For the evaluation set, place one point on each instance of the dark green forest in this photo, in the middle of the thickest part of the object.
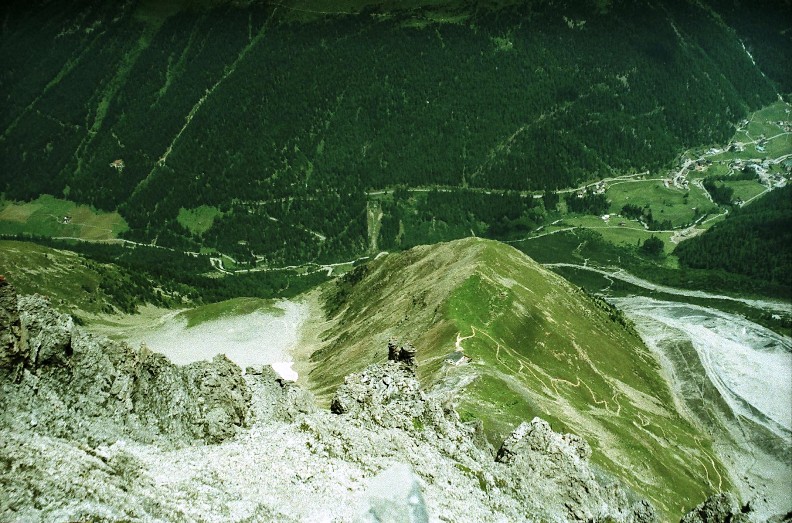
(755, 241)
(410, 220)
(284, 126)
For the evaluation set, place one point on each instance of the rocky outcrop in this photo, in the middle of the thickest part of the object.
(13, 344)
(544, 473)
(553, 469)
(278, 399)
(92, 429)
(388, 394)
(719, 508)
(49, 333)
(529, 438)
(68, 383)
(402, 354)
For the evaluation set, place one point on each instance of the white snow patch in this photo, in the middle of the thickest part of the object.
(284, 370)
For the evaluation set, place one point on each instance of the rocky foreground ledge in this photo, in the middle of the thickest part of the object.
(94, 430)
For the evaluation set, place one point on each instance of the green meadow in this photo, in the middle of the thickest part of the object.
(54, 217)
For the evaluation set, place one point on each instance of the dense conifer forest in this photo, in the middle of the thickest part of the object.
(282, 126)
(753, 241)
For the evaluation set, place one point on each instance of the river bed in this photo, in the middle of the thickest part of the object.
(750, 365)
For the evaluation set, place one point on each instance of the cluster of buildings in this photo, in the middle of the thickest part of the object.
(118, 165)
(762, 170)
(600, 188)
(597, 188)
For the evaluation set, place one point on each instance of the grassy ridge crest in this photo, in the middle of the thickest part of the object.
(538, 346)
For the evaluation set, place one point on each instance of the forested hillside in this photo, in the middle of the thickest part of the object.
(278, 126)
(753, 241)
(765, 29)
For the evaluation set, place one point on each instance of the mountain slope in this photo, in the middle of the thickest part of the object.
(279, 126)
(73, 283)
(537, 346)
(94, 430)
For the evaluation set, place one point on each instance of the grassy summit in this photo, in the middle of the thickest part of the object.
(537, 346)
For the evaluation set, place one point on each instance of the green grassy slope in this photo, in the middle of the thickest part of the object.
(49, 216)
(233, 307)
(73, 283)
(538, 347)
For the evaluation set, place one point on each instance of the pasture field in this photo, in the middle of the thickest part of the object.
(198, 220)
(746, 189)
(50, 216)
(631, 233)
(667, 203)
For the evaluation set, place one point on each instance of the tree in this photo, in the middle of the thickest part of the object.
(653, 246)
(550, 200)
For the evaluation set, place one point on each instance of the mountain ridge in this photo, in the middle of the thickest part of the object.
(377, 396)
(121, 445)
(512, 340)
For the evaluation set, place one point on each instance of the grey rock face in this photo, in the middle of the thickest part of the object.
(49, 333)
(389, 394)
(13, 345)
(553, 470)
(537, 436)
(284, 401)
(719, 508)
(69, 383)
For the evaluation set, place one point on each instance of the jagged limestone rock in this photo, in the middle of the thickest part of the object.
(49, 333)
(13, 346)
(76, 385)
(537, 436)
(285, 401)
(552, 467)
(718, 508)
(388, 393)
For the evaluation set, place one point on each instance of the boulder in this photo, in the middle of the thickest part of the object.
(394, 496)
